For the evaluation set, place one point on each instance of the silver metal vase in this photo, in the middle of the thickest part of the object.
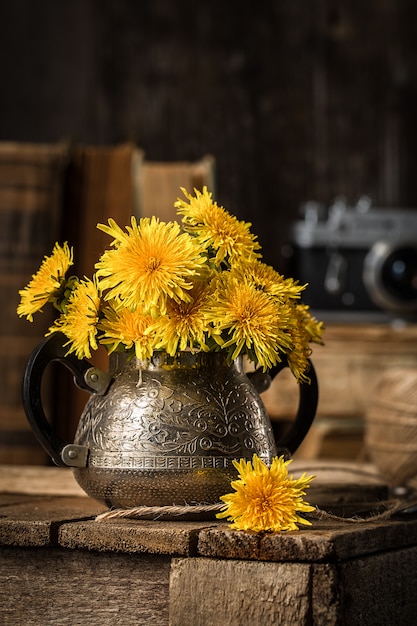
(165, 431)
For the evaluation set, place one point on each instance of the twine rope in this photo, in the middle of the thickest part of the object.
(138, 512)
(155, 512)
(391, 506)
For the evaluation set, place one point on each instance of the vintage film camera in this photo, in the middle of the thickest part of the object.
(357, 259)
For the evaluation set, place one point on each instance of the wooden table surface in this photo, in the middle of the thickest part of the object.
(58, 565)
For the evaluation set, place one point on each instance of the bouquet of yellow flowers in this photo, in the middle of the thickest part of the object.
(197, 284)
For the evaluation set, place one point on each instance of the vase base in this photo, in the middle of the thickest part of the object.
(128, 488)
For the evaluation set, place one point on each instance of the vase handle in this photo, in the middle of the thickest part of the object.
(307, 405)
(87, 377)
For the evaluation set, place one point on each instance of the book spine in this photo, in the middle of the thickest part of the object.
(31, 186)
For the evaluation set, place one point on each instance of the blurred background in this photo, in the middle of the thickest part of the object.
(296, 101)
(292, 102)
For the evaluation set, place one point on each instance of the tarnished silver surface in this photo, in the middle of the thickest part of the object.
(166, 432)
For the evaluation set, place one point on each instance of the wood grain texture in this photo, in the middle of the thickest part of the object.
(296, 104)
(58, 566)
(211, 592)
(34, 520)
(380, 590)
(69, 588)
(43, 481)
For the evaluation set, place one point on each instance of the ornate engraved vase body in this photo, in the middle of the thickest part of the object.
(162, 432)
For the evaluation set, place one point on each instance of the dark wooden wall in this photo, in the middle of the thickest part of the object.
(296, 99)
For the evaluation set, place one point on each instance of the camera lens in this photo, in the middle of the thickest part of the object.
(399, 273)
(390, 276)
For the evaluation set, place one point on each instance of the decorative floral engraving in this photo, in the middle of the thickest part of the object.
(176, 414)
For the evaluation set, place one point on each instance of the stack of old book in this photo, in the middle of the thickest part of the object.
(31, 186)
(59, 193)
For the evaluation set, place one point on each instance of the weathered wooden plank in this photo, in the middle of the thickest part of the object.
(238, 593)
(173, 538)
(325, 540)
(8, 499)
(35, 522)
(380, 590)
(57, 586)
(326, 605)
(377, 590)
(58, 565)
(48, 481)
(68, 587)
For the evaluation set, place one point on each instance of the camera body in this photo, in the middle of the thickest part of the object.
(358, 259)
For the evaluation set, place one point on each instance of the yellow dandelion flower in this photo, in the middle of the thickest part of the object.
(216, 228)
(266, 278)
(198, 209)
(250, 321)
(151, 262)
(313, 327)
(304, 330)
(184, 325)
(79, 322)
(126, 328)
(46, 283)
(298, 361)
(266, 499)
(196, 286)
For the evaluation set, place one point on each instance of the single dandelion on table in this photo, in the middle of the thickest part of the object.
(266, 499)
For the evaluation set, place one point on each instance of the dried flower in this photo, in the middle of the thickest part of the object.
(266, 499)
